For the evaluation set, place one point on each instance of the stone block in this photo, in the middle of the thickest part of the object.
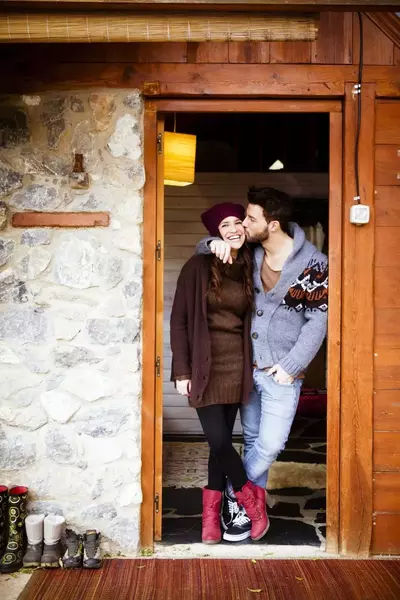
(100, 421)
(35, 237)
(103, 451)
(7, 355)
(6, 250)
(134, 101)
(89, 384)
(30, 418)
(129, 239)
(36, 197)
(59, 405)
(103, 107)
(66, 329)
(59, 448)
(3, 215)
(130, 495)
(77, 105)
(14, 130)
(36, 358)
(95, 512)
(52, 117)
(112, 331)
(71, 356)
(38, 261)
(125, 141)
(16, 453)
(26, 324)
(9, 180)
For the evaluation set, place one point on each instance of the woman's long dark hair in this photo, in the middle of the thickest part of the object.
(218, 268)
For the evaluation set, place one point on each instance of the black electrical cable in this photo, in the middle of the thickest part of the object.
(359, 106)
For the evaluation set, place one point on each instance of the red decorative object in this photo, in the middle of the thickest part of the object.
(312, 403)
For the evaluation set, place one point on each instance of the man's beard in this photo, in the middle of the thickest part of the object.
(258, 238)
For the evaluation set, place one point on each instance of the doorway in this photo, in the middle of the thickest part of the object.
(222, 173)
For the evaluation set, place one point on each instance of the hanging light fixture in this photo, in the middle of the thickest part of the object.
(179, 157)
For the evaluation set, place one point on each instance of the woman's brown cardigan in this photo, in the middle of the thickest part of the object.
(190, 340)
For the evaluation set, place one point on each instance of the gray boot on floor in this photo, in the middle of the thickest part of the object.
(33, 555)
(92, 555)
(72, 558)
(51, 555)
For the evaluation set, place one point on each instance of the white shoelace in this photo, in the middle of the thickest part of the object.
(241, 518)
(233, 507)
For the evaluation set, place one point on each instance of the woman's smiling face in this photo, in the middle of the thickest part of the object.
(232, 231)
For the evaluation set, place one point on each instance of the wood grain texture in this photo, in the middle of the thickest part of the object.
(387, 122)
(387, 411)
(149, 327)
(158, 420)
(249, 52)
(208, 52)
(197, 80)
(387, 286)
(387, 248)
(290, 52)
(387, 328)
(387, 205)
(357, 337)
(334, 331)
(386, 492)
(387, 451)
(335, 39)
(386, 538)
(387, 165)
(378, 48)
(387, 368)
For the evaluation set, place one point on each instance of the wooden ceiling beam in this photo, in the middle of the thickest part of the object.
(227, 5)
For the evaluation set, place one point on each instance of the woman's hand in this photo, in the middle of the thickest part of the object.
(222, 250)
(183, 387)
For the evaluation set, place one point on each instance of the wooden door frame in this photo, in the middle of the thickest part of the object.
(151, 407)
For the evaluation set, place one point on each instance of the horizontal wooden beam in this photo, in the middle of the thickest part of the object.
(249, 106)
(60, 219)
(225, 4)
(198, 80)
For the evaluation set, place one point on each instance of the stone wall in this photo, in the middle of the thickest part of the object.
(70, 310)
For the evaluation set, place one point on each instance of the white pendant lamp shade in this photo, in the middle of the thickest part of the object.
(179, 158)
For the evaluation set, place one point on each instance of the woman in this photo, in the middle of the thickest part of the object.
(212, 363)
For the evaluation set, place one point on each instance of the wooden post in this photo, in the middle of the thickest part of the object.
(357, 333)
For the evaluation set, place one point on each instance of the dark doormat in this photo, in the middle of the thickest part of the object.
(217, 579)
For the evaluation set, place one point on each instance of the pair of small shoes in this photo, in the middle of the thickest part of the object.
(82, 550)
(43, 555)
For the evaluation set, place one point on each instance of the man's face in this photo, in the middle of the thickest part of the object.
(255, 225)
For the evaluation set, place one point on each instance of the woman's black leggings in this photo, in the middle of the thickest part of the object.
(217, 421)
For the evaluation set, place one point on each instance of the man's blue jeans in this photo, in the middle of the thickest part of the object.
(266, 420)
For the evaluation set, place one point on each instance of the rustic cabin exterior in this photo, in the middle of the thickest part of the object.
(81, 286)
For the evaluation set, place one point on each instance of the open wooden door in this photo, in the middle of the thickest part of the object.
(152, 407)
(158, 440)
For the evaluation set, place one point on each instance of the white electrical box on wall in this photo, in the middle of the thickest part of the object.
(359, 214)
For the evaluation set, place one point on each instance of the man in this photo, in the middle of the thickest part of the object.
(288, 328)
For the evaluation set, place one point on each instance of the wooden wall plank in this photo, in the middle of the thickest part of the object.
(387, 369)
(387, 165)
(387, 248)
(386, 538)
(387, 411)
(387, 122)
(335, 39)
(387, 451)
(387, 328)
(396, 58)
(387, 287)
(290, 52)
(209, 52)
(357, 336)
(378, 48)
(387, 203)
(249, 52)
(386, 492)
(154, 52)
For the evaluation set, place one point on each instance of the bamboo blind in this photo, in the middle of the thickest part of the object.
(156, 27)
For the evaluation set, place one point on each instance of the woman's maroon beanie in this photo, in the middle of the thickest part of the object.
(213, 216)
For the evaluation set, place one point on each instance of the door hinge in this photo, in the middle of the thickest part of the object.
(158, 366)
(158, 250)
(157, 502)
(159, 143)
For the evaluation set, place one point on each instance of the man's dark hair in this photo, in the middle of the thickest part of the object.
(276, 205)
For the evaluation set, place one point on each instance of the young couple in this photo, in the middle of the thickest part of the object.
(249, 315)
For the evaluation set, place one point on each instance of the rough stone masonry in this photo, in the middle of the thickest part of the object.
(70, 310)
